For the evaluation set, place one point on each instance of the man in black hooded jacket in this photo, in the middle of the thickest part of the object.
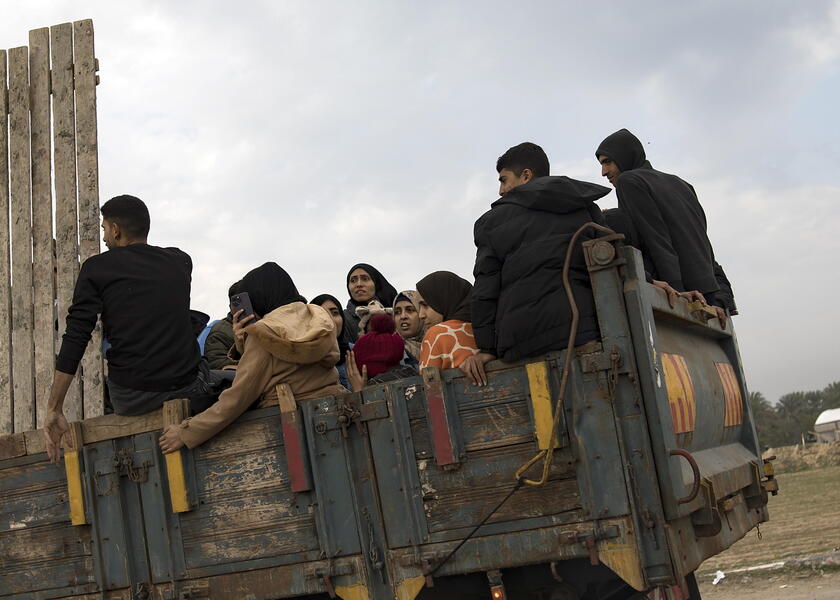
(664, 220)
(519, 305)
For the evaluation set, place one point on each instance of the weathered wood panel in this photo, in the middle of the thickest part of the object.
(39, 550)
(247, 510)
(66, 217)
(42, 218)
(87, 162)
(23, 354)
(6, 406)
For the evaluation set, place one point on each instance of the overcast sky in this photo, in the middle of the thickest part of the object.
(320, 134)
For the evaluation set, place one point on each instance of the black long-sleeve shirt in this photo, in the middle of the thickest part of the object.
(143, 295)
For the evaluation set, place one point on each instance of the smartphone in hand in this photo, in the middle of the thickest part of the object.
(242, 302)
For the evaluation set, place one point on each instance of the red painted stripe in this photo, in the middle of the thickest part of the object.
(682, 369)
(293, 444)
(441, 440)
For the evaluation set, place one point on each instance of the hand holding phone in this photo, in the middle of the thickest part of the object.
(243, 316)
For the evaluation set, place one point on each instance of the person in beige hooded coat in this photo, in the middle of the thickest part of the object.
(293, 343)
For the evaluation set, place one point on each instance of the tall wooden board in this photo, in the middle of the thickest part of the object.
(66, 219)
(22, 346)
(42, 218)
(85, 68)
(6, 407)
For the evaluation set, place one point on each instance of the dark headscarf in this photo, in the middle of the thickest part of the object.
(382, 290)
(269, 287)
(625, 150)
(343, 346)
(448, 294)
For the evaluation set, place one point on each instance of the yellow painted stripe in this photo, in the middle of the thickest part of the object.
(177, 482)
(74, 488)
(680, 392)
(541, 404)
(408, 589)
(357, 591)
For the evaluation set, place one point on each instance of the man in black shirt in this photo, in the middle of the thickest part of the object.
(665, 221)
(143, 295)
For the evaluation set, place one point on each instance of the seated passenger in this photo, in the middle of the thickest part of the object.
(291, 342)
(220, 339)
(445, 301)
(668, 222)
(376, 356)
(520, 307)
(409, 325)
(364, 283)
(333, 307)
(617, 221)
(142, 293)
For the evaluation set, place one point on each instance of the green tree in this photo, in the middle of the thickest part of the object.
(831, 396)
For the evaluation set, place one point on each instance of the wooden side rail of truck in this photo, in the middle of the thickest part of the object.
(655, 468)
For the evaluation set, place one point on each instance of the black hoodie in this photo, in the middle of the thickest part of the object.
(519, 305)
(668, 222)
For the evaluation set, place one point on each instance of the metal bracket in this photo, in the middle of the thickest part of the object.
(590, 539)
(124, 464)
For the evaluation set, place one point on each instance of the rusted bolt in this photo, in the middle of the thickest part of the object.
(602, 252)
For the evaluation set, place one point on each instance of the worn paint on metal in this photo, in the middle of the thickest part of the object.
(357, 591)
(177, 482)
(74, 488)
(541, 403)
(732, 400)
(680, 392)
(409, 588)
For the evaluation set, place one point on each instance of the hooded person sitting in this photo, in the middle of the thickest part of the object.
(291, 342)
(520, 308)
(377, 356)
(666, 221)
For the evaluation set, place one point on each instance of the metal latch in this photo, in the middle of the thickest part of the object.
(124, 464)
(590, 538)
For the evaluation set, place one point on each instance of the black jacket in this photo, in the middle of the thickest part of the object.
(519, 305)
(143, 295)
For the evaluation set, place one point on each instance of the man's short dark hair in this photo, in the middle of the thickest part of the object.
(524, 156)
(129, 213)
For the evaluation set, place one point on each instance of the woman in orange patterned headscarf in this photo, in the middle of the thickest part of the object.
(445, 300)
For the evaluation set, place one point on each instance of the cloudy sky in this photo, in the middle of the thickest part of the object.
(320, 134)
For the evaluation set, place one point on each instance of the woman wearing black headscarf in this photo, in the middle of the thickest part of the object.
(331, 304)
(445, 300)
(291, 342)
(364, 284)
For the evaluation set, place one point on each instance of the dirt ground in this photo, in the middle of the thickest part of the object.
(804, 522)
(776, 586)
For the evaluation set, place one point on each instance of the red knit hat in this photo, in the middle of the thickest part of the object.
(381, 348)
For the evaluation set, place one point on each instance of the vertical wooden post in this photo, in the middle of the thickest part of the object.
(66, 220)
(73, 469)
(6, 407)
(42, 219)
(175, 411)
(22, 346)
(87, 161)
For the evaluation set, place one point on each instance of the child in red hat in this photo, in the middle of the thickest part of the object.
(377, 354)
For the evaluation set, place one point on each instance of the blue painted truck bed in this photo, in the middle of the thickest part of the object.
(397, 476)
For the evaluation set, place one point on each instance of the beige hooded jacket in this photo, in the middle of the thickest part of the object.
(294, 344)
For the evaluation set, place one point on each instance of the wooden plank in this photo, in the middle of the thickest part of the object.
(6, 412)
(293, 440)
(73, 443)
(175, 411)
(12, 445)
(66, 220)
(87, 161)
(42, 220)
(22, 347)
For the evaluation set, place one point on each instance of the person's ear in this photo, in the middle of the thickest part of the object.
(116, 232)
(527, 175)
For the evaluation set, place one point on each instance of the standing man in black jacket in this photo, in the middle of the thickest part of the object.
(143, 295)
(519, 306)
(665, 221)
